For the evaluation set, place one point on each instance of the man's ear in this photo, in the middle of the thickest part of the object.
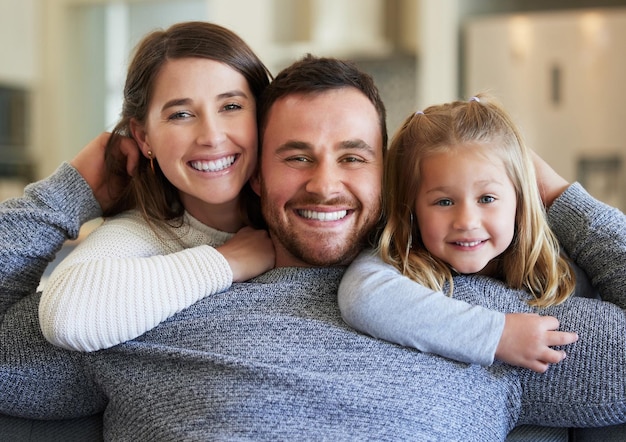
(139, 134)
(255, 182)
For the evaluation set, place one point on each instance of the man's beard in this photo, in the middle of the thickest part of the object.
(325, 252)
(319, 249)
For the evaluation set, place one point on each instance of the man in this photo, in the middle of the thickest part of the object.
(269, 359)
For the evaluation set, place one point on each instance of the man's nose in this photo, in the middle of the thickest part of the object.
(325, 179)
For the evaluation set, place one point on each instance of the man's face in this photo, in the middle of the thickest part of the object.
(320, 176)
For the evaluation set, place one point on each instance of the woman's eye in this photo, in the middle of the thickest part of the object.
(232, 106)
(180, 115)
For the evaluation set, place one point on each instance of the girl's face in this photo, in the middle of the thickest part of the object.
(201, 128)
(465, 207)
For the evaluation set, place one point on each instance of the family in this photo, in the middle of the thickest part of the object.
(268, 270)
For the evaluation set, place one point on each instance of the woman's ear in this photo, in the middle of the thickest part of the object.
(255, 182)
(141, 137)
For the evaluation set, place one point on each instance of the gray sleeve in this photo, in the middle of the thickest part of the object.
(594, 235)
(38, 380)
(376, 299)
(34, 227)
(588, 388)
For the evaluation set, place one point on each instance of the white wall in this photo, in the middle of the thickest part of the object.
(19, 34)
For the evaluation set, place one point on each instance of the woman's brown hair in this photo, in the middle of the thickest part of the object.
(149, 190)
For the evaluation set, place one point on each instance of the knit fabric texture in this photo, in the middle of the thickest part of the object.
(271, 359)
(126, 277)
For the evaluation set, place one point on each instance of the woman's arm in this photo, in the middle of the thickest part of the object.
(123, 280)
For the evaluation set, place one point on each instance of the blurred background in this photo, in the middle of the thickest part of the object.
(557, 66)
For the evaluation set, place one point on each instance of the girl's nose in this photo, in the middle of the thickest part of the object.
(467, 218)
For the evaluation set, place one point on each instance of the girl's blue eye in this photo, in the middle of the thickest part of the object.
(444, 202)
(487, 199)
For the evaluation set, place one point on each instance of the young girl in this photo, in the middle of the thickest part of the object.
(462, 199)
(178, 231)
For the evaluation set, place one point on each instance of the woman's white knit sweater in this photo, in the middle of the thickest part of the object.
(126, 277)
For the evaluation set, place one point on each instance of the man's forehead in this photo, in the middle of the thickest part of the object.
(326, 95)
(343, 109)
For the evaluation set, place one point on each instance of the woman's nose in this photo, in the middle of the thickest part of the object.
(210, 132)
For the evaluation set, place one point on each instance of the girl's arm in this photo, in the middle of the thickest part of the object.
(124, 279)
(376, 299)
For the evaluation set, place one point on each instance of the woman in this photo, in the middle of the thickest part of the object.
(190, 105)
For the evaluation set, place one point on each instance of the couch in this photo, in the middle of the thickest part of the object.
(89, 429)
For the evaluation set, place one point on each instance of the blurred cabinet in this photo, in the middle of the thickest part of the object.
(561, 75)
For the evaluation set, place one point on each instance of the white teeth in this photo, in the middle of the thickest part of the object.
(215, 165)
(323, 216)
(468, 244)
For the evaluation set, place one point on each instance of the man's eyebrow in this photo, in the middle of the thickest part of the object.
(294, 145)
(355, 144)
(358, 144)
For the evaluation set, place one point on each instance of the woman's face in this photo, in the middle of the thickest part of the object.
(201, 128)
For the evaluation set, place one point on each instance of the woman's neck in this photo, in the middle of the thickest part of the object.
(225, 217)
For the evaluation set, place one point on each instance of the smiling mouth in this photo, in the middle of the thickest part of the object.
(213, 165)
(468, 244)
(323, 216)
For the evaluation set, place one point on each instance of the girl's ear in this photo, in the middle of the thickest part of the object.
(255, 182)
(141, 137)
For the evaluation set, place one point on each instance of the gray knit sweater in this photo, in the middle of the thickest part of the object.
(271, 359)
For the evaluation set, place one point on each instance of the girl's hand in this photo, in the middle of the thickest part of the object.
(249, 253)
(527, 340)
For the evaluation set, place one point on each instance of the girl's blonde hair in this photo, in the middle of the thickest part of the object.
(532, 261)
